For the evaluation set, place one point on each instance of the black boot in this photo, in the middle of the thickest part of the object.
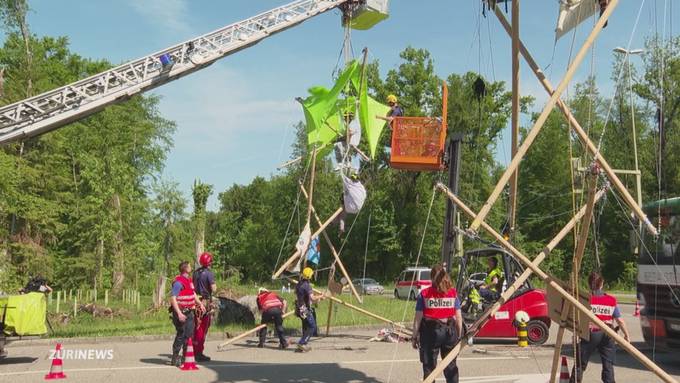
(174, 361)
(202, 358)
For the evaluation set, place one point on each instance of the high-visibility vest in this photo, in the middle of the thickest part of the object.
(498, 273)
(439, 305)
(269, 300)
(603, 307)
(187, 297)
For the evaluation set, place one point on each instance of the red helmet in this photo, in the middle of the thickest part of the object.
(205, 259)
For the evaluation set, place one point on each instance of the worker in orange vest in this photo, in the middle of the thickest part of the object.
(183, 304)
(272, 307)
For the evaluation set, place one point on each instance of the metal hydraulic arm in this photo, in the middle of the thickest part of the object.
(58, 107)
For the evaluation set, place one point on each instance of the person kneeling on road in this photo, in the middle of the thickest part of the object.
(438, 323)
(183, 303)
(272, 307)
(303, 308)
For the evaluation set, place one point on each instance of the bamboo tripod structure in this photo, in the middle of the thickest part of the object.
(571, 302)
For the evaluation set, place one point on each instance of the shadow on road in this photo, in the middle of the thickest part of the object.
(666, 360)
(286, 373)
(18, 360)
(163, 359)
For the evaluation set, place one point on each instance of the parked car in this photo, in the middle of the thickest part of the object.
(411, 281)
(368, 286)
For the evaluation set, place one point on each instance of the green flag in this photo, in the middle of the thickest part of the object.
(372, 126)
(321, 109)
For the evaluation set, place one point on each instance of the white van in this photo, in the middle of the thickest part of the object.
(411, 281)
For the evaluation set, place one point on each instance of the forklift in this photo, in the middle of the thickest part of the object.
(472, 272)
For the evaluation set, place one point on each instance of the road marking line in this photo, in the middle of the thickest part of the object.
(239, 365)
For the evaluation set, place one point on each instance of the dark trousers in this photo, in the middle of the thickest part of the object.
(273, 316)
(185, 330)
(434, 338)
(308, 328)
(605, 346)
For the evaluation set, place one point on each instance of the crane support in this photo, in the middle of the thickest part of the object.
(58, 107)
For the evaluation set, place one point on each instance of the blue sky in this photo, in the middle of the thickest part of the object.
(235, 118)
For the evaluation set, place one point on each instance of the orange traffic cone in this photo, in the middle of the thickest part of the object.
(56, 370)
(636, 313)
(564, 371)
(189, 361)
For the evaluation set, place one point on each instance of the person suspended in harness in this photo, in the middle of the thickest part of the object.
(438, 323)
(271, 307)
(490, 290)
(606, 308)
(183, 304)
(204, 281)
(304, 298)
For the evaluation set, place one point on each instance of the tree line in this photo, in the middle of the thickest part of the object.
(86, 205)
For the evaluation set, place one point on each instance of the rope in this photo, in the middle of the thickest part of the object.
(408, 297)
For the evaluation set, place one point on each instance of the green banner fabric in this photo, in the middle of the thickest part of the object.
(25, 314)
(321, 109)
(372, 126)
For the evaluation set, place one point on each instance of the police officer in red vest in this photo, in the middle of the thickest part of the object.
(272, 307)
(604, 306)
(438, 323)
(183, 303)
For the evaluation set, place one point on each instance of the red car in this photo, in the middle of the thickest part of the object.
(473, 268)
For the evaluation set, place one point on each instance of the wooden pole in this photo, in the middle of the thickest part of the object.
(75, 306)
(296, 255)
(334, 252)
(222, 346)
(58, 300)
(309, 201)
(533, 133)
(402, 328)
(578, 129)
(507, 294)
(578, 255)
(548, 279)
(138, 299)
(106, 297)
(515, 113)
(330, 315)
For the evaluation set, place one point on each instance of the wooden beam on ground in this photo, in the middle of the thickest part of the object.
(543, 117)
(334, 252)
(401, 327)
(578, 129)
(222, 346)
(515, 113)
(548, 279)
(296, 255)
(578, 255)
(507, 294)
(330, 316)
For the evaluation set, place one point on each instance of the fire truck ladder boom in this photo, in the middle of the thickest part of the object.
(56, 108)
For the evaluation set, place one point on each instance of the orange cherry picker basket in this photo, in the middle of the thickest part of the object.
(418, 142)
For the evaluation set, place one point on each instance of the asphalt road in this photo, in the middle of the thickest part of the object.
(347, 356)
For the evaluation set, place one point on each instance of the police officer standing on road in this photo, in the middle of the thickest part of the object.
(605, 307)
(438, 323)
(204, 281)
(183, 302)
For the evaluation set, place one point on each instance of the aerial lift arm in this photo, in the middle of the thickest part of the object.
(58, 107)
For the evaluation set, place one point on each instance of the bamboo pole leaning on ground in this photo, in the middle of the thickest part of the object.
(548, 279)
(222, 346)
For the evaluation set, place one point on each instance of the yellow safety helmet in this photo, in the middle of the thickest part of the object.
(307, 273)
(392, 98)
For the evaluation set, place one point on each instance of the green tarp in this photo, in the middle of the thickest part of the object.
(25, 314)
(323, 111)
